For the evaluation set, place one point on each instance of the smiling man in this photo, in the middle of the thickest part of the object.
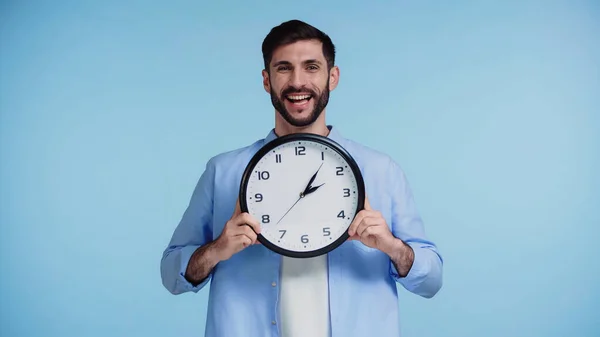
(351, 291)
(299, 81)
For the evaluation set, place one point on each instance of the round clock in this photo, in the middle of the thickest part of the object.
(304, 190)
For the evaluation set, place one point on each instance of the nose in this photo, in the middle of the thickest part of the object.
(298, 79)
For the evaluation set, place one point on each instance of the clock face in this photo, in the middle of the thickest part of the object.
(304, 190)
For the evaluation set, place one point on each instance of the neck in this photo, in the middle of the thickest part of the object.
(319, 127)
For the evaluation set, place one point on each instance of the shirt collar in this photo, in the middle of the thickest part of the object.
(333, 135)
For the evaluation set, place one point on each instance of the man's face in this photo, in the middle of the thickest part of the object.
(299, 82)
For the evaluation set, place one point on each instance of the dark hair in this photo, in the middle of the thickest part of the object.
(293, 31)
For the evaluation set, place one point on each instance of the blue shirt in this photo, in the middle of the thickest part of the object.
(243, 298)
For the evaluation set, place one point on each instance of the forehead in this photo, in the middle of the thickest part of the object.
(299, 51)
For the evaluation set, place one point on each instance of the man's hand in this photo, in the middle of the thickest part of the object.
(370, 228)
(239, 232)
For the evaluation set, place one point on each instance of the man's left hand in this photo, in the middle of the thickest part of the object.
(371, 229)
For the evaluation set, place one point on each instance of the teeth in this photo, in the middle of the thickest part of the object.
(298, 97)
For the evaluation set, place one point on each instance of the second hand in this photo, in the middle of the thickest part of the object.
(309, 189)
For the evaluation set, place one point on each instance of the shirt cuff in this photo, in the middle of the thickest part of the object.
(418, 271)
(185, 254)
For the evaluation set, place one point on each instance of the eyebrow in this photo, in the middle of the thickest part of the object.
(283, 62)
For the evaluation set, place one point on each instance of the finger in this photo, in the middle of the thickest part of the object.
(367, 204)
(369, 230)
(244, 230)
(354, 237)
(366, 223)
(372, 231)
(244, 241)
(237, 209)
(357, 219)
(247, 219)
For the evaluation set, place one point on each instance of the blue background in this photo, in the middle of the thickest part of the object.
(110, 110)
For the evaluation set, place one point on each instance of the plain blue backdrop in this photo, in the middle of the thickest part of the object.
(110, 110)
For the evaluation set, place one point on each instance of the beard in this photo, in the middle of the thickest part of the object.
(321, 101)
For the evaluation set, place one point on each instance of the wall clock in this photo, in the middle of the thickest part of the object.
(304, 190)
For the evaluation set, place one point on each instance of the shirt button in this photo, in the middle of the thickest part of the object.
(273, 284)
(273, 322)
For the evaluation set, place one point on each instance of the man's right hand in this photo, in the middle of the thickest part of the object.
(239, 232)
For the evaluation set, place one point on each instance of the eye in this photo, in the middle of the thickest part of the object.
(313, 67)
(283, 68)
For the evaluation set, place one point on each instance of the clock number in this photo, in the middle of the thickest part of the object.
(278, 158)
(341, 214)
(339, 171)
(304, 238)
(282, 233)
(346, 192)
(322, 155)
(264, 175)
(326, 231)
(258, 197)
(266, 219)
(300, 150)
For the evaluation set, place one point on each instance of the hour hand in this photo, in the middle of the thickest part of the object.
(308, 187)
(312, 189)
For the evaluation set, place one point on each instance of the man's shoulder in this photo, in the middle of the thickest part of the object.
(367, 154)
(235, 156)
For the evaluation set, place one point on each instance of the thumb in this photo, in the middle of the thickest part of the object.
(237, 207)
(367, 204)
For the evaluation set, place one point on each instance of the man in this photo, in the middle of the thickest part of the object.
(255, 292)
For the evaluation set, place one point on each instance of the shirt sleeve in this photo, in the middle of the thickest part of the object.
(193, 231)
(425, 275)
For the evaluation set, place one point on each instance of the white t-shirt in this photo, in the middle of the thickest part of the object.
(304, 297)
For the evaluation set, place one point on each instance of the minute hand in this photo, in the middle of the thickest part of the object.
(308, 187)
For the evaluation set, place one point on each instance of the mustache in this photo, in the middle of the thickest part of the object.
(293, 90)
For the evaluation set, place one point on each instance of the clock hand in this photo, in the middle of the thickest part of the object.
(311, 180)
(301, 196)
(312, 189)
(309, 189)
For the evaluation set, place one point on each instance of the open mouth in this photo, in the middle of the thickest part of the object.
(298, 99)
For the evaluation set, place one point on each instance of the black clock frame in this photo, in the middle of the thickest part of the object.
(295, 138)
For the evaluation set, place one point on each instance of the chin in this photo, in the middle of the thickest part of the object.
(300, 120)
(302, 123)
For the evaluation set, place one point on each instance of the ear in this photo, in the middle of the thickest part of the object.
(334, 77)
(266, 82)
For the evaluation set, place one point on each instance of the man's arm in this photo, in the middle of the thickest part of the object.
(414, 261)
(191, 238)
(201, 264)
(238, 233)
(402, 257)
